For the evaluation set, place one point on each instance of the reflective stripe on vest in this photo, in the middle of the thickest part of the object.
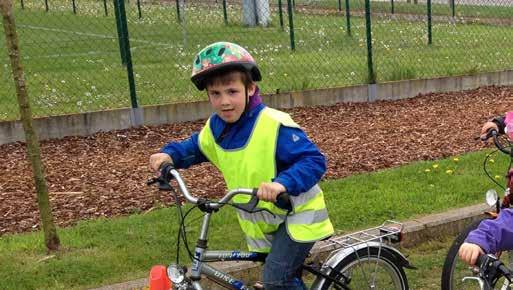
(254, 163)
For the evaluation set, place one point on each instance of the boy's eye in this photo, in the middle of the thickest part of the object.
(232, 92)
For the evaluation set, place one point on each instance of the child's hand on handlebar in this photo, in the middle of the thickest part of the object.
(487, 127)
(157, 159)
(268, 191)
(469, 252)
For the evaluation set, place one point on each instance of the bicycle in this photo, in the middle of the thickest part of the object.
(454, 270)
(488, 271)
(361, 260)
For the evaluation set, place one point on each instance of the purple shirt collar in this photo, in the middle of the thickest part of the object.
(255, 99)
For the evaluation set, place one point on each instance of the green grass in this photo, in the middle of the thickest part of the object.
(106, 251)
(72, 62)
(429, 258)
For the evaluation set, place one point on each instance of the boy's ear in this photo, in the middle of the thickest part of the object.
(251, 89)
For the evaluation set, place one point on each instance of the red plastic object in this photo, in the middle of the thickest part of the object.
(159, 279)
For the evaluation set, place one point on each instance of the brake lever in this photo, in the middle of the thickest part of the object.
(162, 183)
(251, 206)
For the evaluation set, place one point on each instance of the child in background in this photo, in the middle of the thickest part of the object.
(491, 235)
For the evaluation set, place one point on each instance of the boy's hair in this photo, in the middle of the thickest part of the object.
(225, 76)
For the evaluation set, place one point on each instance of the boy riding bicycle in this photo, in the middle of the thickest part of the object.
(255, 146)
(492, 235)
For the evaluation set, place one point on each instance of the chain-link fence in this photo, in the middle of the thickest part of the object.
(76, 58)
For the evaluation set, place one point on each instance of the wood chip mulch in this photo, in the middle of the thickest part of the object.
(104, 175)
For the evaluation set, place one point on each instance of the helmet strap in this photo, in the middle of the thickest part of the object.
(247, 99)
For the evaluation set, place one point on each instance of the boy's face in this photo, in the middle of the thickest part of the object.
(229, 99)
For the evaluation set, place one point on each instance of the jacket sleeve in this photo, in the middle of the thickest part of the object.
(185, 153)
(300, 164)
(494, 235)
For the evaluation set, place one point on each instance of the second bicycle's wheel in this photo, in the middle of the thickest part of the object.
(369, 268)
(454, 269)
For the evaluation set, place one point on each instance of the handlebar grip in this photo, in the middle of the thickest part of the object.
(491, 133)
(165, 170)
(482, 260)
(283, 199)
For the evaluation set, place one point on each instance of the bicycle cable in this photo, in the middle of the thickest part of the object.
(486, 171)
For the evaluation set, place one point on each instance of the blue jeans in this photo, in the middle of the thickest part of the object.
(283, 262)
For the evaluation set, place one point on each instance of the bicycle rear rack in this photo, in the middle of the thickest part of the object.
(389, 232)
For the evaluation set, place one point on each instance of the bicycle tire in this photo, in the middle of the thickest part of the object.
(452, 261)
(373, 257)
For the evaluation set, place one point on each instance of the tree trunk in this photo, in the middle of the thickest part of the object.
(256, 12)
(33, 152)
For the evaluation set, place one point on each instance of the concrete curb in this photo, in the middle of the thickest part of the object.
(415, 231)
(108, 120)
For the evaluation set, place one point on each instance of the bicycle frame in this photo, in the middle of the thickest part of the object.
(340, 248)
(202, 255)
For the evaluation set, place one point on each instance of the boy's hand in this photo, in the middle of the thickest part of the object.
(157, 159)
(487, 127)
(469, 252)
(268, 191)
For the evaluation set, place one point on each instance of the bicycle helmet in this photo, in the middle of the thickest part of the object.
(222, 55)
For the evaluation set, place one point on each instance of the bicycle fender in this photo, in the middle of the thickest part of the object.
(342, 254)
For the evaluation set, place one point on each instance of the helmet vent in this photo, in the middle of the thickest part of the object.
(221, 51)
(209, 51)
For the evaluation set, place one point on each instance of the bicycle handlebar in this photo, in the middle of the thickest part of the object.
(168, 172)
(495, 135)
(490, 268)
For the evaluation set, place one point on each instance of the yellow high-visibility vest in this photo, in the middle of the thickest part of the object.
(254, 163)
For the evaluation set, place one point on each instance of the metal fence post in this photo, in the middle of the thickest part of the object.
(74, 6)
(280, 9)
(392, 6)
(22, 4)
(291, 25)
(225, 13)
(136, 113)
(371, 78)
(120, 33)
(453, 8)
(339, 5)
(430, 36)
(105, 7)
(178, 11)
(139, 8)
(46, 6)
(348, 18)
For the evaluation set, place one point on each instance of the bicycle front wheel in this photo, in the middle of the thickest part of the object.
(369, 268)
(454, 269)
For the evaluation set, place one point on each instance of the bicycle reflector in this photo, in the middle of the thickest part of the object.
(159, 279)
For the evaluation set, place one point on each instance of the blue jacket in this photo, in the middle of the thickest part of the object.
(494, 235)
(300, 164)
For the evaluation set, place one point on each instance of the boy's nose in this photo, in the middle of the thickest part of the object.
(225, 100)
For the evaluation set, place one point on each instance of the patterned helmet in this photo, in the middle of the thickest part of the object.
(222, 55)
